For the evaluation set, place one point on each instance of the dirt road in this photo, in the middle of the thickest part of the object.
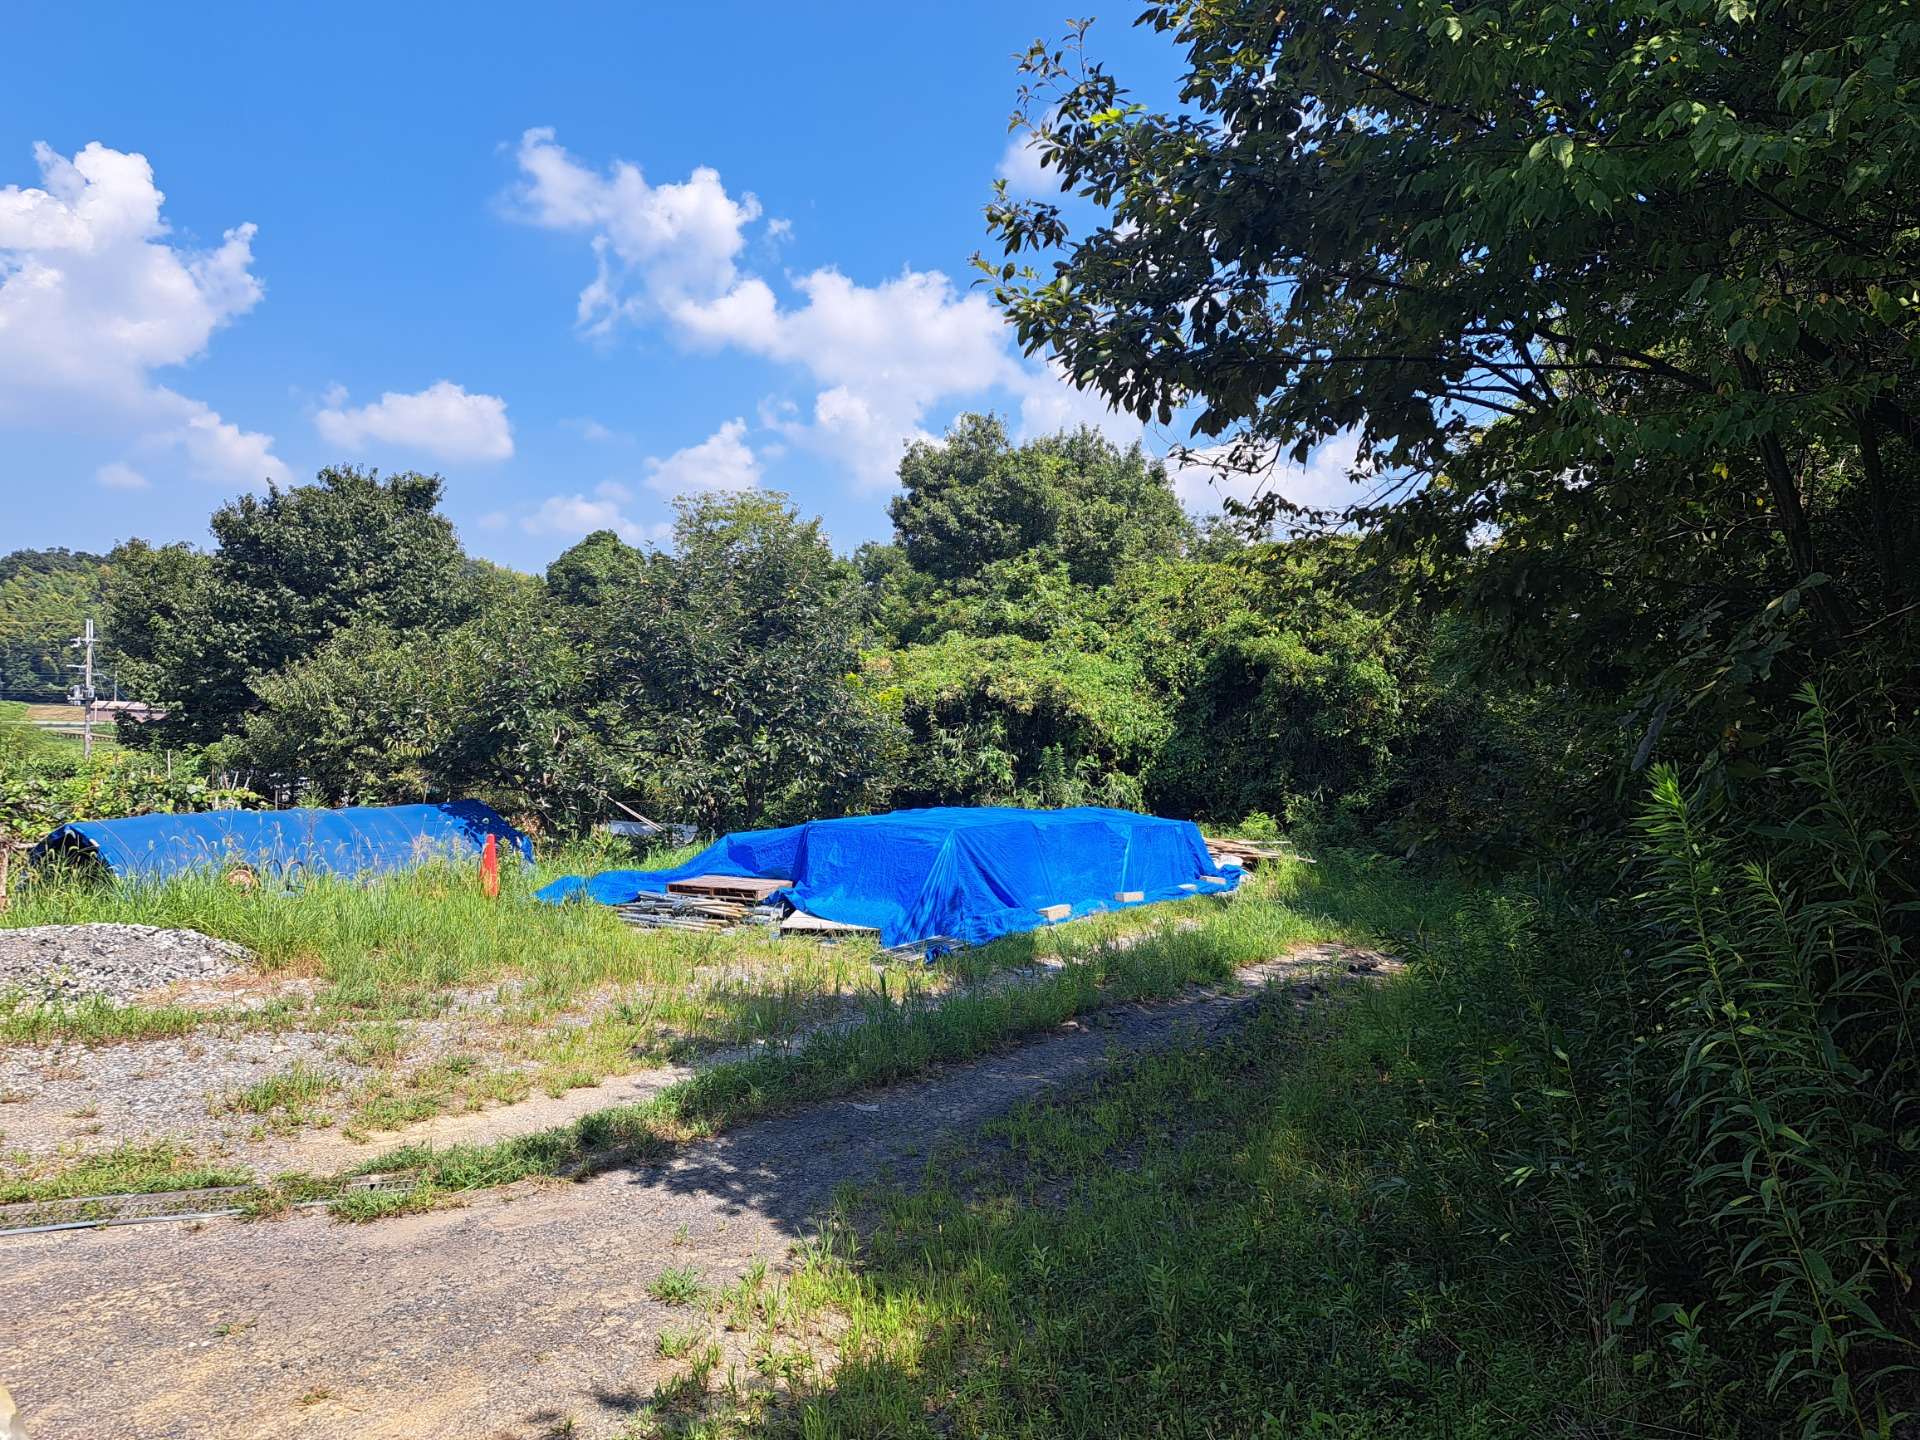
(511, 1317)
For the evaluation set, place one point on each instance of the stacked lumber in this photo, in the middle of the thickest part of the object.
(1248, 854)
(706, 913)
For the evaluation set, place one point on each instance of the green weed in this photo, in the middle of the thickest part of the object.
(677, 1285)
(142, 1169)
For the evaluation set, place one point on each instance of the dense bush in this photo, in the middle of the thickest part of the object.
(1681, 1116)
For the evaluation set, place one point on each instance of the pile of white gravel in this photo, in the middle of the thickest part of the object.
(69, 962)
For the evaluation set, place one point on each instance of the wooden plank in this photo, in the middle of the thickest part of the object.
(751, 890)
(1129, 897)
(1052, 913)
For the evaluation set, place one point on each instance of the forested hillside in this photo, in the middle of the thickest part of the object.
(45, 599)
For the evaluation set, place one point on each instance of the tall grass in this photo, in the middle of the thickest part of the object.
(1200, 941)
(1681, 1128)
(402, 946)
(1787, 1054)
(1634, 1164)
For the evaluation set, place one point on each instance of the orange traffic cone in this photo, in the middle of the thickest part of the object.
(490, 869)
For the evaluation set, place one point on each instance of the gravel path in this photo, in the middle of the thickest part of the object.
(65, 1100)
(74, 1099)
(505, 1319)
(68, 962)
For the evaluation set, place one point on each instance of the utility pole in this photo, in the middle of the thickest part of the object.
(83, 696)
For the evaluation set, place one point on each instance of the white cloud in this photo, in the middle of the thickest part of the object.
(882, 357)
(442, 420)
(1050, 403)
(722, 461)
(886, 363)
(94, 299)
(885, 356)
(569, 517)
(117, 476)
(1206, 478)
(1020, 167)
(677, 241)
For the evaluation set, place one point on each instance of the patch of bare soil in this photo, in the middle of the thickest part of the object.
(524, 1312)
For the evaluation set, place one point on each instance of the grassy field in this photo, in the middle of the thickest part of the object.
(572, 996)
(1252, 1237)
(1211, 1241)
(66, 722)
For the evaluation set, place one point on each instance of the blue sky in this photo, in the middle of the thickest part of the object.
(573, 259)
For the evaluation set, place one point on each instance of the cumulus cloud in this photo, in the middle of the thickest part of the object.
(442, 420)
(94, 297)
(881, 357)
(1205, 479)
(655, 245)
(569, 517)
(1050, 403)
(884, 356)
(886, 362)
(722, 461)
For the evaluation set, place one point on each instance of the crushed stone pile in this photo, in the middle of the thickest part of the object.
(70, 962)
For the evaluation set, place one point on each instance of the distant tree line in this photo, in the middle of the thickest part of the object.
(1047, 626)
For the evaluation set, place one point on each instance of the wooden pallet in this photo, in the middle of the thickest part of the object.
(745, 889)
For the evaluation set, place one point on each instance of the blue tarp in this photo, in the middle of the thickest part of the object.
(969, 873)
(342, 842)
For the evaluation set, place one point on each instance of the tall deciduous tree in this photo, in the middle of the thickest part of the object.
(1628, 289)
(734, 661)
(287, 572)
(46, 596)
(975, 498)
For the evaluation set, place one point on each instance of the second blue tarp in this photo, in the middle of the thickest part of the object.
(287, 843)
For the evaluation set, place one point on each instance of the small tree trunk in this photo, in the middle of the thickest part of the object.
(1877, 494)
(1794, 525)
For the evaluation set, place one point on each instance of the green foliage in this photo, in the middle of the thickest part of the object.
(46, 597)
(732, 662)
(286, 573)
(593, 572)
(1073, 498)
(1789, 1059)
(1682, 1119)
(1001, 719)
(493, 708)
(44, 782)
(1385, 218)
(1188, 686)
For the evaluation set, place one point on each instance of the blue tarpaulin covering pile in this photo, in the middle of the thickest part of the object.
(970, 874)
(287, 843)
